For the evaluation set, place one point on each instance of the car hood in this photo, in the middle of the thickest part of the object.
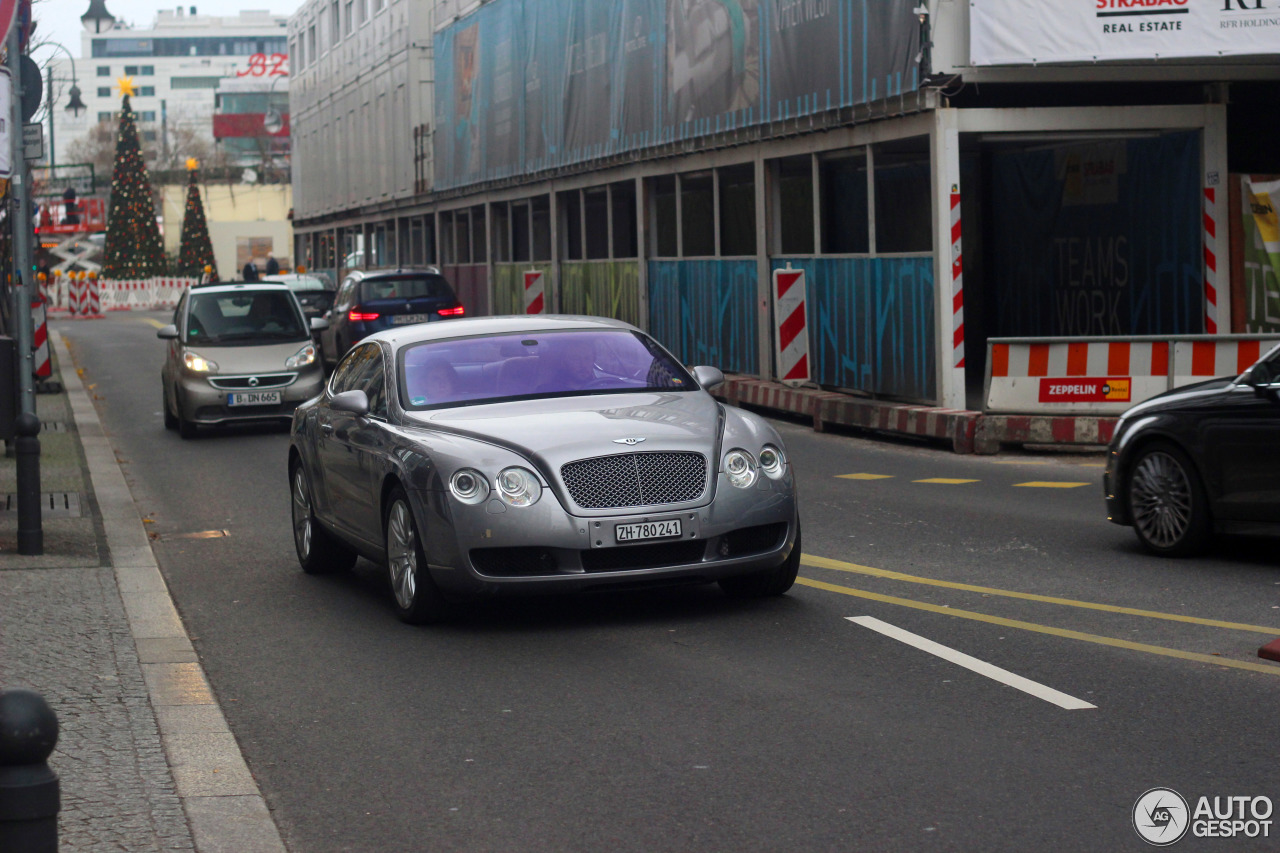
(563, 429)
(262, 358)
(1187, 395)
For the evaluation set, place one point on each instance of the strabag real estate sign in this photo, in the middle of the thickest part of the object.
(1032, 32)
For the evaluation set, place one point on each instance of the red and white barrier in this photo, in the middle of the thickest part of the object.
(1210, 264)
(534, 292)
(146, 294)
(957, 284)
(42, 367)
(1107, 376)
(791, 328)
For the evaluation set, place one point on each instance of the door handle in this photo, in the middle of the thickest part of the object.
(326, 428)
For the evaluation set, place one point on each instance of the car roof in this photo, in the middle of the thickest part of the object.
(466, 327)
(240, 286)
(365, 275)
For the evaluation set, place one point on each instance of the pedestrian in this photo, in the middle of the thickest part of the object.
(273, 266)
(250, 272)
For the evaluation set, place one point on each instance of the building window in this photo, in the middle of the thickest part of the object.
(147, 71)
(662, 218)
(570, 204)
(131, 70)
(597, 223)
(697, 215)
(738, 211)
(795, 205)
(335, 31)
(624, 220)
(903, 204)
(105, 117)
(194, 82)
(349, 18)
(104, 70)
(541, 212)
(149, 136)
(146, 91)
(147, 115)
(104, 91)
(842, 186)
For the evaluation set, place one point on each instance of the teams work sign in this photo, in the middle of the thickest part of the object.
(1027, 32)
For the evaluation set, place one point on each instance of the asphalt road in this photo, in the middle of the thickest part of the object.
(683, 720)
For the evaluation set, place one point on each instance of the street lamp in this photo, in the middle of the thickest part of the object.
(75, 106)
(98, 20)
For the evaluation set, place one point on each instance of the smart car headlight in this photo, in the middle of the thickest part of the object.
(301, 358)
(740, 468)
(518, 487)
(771, 462)
(469, 486)
(197, 363)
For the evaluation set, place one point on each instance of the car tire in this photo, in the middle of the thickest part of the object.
(1167, 502)
(765, 584)
(186, 429)
(417, 599)
(318, 551)
(170, 422)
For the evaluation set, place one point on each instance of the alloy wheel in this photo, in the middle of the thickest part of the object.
(301, 513)
(402, 554)
(1161, 499)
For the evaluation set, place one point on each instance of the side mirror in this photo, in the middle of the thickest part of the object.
(167, 333)
(353, 402)
(708, 377)
(319, 324)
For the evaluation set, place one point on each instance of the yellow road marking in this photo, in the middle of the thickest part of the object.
(865, 476)
(1043, 629)
(946, 481)
(1050, 484)
(1092, 464)
(853, 568)
(152, 322)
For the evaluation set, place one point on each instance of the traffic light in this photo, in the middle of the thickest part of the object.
(72, 207)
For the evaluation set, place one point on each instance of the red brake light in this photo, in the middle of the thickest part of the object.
(455, 311)
(356, 316)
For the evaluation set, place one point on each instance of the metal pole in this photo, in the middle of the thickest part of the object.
(53, 149)
(30, 535)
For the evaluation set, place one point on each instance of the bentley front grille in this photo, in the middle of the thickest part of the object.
(635, 479)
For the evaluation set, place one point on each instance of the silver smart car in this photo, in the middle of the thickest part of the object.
(504, 455)
(238, 352)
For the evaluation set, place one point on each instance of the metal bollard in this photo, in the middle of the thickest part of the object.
(27, 451)
(29, 795)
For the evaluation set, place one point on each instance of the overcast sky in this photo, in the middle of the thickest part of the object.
(59, 20)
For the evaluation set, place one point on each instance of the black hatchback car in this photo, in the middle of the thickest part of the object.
(1199, 459)
(372, 301)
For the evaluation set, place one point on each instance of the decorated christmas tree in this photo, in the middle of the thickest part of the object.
(196, 251)
(133, 246)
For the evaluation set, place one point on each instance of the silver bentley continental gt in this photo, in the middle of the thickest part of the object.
(540, 454)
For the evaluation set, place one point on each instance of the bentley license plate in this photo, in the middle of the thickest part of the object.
(647, 530)
(409, 319)
(253, 398)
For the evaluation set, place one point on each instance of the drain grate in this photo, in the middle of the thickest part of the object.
(53, 426)
(52, 505)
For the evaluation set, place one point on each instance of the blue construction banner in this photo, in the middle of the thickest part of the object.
(1098, 238)
(527, 85)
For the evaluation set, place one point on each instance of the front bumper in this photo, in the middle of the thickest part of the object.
(202, 403)
(499, 550)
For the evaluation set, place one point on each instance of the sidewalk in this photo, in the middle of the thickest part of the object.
(966, 431)
(145, 757)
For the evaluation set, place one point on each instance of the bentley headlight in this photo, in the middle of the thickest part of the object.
(301, 358)
(771, 462)
(197, 363)
(469, 486)
(519, 487)
(740, 468)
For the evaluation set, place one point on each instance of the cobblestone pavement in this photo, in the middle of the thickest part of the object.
(64, 633)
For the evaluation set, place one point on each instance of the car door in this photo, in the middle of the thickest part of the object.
(330, 345)
(335, 502)
(1242, 442)
(347, 445)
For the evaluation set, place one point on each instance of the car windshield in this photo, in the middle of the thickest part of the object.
(244, 317)
(406, 287)
(521, 366)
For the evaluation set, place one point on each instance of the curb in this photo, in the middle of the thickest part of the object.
(967, 431)
(221, 799)
(1271, 651)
